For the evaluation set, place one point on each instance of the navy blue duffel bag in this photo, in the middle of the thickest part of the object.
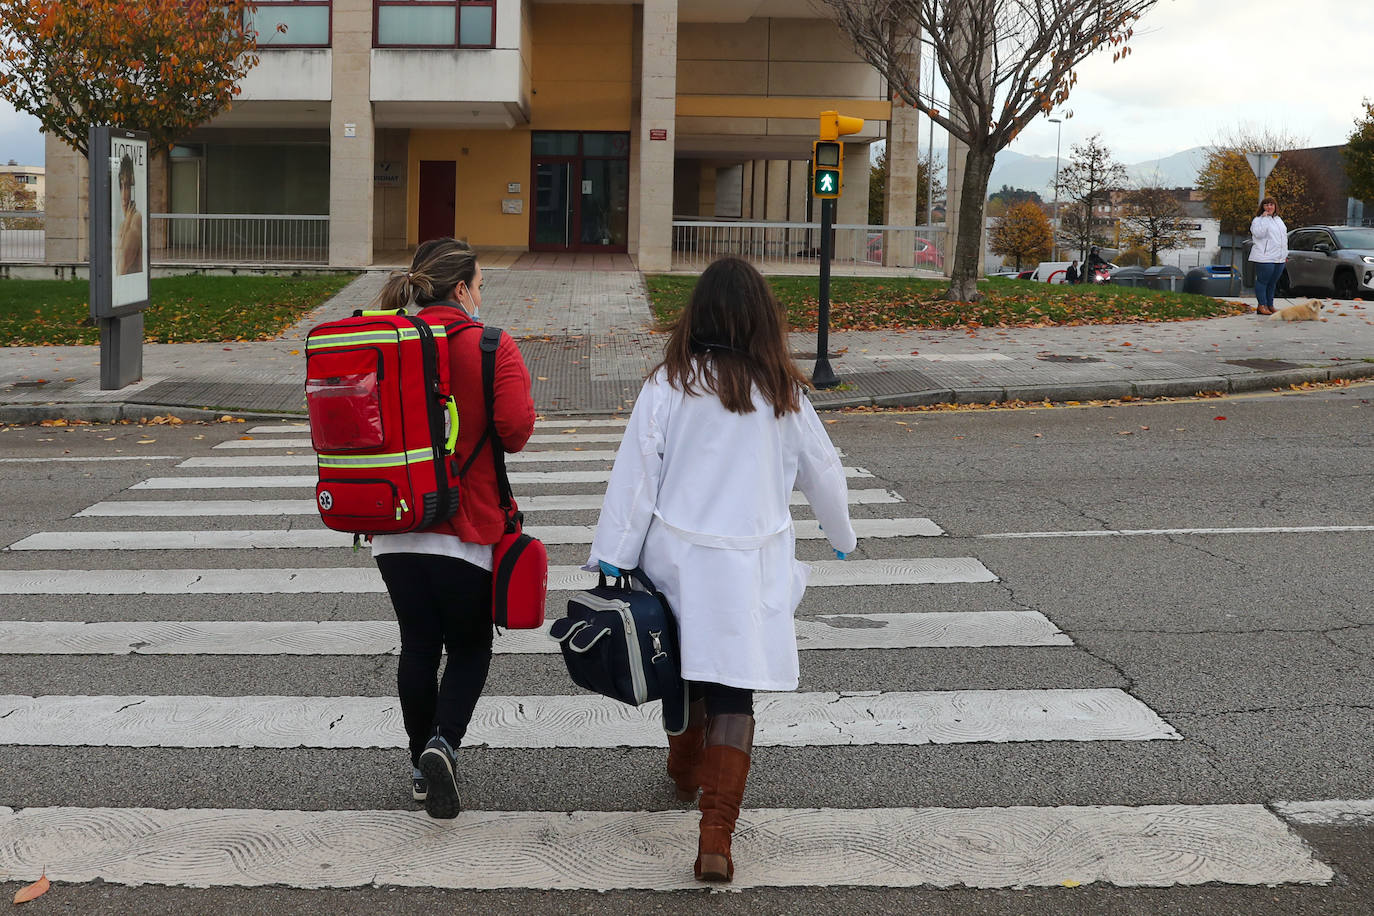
(621, 642)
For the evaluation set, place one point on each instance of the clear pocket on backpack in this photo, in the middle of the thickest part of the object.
(343, 398)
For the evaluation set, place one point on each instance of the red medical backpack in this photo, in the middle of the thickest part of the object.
(383, 422)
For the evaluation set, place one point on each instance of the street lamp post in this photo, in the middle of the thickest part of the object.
(1058, 134)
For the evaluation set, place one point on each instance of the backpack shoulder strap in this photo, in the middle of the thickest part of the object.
(490, 342)
(491, 339)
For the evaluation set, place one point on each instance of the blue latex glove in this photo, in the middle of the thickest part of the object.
(609, 570)
(838, 555)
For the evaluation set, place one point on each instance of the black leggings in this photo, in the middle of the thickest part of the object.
(441, 603)
(722, 700)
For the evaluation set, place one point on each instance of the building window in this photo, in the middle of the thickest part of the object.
(434, 23)
(291, 23)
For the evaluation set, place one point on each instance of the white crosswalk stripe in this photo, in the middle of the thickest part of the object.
(309, 460)
(911, 630)
(533, 503)
(784, 719)
(532, 478)
(807, 529)
(876, 846)
(1152, 846)
(351, 580)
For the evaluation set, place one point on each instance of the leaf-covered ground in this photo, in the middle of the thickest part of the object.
(875, 303)
(186, 309)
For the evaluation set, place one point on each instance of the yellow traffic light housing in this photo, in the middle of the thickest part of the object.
(827, 169)
(835, 125)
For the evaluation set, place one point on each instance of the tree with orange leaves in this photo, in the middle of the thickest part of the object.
(1024, 232)
(161, 66)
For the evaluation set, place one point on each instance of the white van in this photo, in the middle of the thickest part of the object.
(1051, 271)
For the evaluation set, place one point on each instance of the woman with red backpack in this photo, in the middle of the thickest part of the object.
(440, 579)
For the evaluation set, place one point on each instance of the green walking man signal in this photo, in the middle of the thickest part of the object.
(827, 168)
(827, 154)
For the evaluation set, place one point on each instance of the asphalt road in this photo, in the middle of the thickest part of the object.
(1258, 648)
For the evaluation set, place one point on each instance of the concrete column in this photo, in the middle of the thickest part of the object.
(903, 184)
(66, 204)
(351, 138)
(658, 112)
(706, 190)
(796, 193)
(746, 205)
(777, 190)
(159, 201)
(853, 203)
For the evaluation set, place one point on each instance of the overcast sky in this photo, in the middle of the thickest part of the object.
(1197, 69)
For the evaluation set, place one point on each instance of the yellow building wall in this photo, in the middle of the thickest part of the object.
(487, 161)
(582, 69)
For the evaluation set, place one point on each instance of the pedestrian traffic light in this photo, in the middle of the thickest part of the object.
(827, 169)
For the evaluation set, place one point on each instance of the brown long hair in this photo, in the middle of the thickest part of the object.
(732, 336)
(438, 266)
(1268, 200)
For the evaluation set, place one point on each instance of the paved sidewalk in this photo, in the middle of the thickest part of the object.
(587, 338)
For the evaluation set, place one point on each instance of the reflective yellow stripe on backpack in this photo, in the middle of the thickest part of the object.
(391, 460)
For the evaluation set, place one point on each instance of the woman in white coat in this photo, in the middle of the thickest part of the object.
(1269, 253)
(720, 435)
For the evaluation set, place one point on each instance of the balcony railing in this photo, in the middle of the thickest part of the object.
(238, 238)
(795, 246)
(21, 236)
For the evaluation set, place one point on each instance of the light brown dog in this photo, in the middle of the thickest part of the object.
(1310, 310)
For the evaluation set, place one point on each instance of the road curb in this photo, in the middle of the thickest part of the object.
(114, 411)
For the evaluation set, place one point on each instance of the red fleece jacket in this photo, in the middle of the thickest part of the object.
(479, 519)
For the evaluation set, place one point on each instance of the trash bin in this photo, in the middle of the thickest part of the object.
(1165, 277)
(1247, 266)
(1212, 280)
(1129, 276)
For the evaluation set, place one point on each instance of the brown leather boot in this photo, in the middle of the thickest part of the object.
(723, 771)
(685, 752)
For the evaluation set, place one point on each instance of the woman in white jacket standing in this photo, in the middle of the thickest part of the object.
(1269, 253)
(720, 435)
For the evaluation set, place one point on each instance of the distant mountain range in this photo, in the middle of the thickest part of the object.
(1036, 173)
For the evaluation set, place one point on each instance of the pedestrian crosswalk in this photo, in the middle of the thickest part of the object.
(197, 565)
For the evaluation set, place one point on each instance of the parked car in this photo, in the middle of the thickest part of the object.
(1334, 259)
(927, 255)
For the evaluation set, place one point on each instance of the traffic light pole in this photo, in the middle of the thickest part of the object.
(822, 376)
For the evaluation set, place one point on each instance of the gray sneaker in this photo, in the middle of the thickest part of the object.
(439, 767)
(419, 786)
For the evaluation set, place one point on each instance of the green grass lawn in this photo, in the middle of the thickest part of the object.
(882, 303)
(186, 309)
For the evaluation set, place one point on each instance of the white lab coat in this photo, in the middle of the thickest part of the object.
(699, 498)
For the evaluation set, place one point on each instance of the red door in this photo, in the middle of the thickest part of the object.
(438, 198)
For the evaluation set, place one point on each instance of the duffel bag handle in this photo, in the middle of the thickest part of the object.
(621, 581)
(563, 628)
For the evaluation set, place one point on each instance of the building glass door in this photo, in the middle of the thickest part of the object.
(581, 191)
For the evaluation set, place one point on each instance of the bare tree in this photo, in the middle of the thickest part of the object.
(1088, 180)
(1080, 230)
(1003, 61)
(1154, 220)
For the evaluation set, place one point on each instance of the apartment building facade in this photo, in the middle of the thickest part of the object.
(26, 186)
(544, 125)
